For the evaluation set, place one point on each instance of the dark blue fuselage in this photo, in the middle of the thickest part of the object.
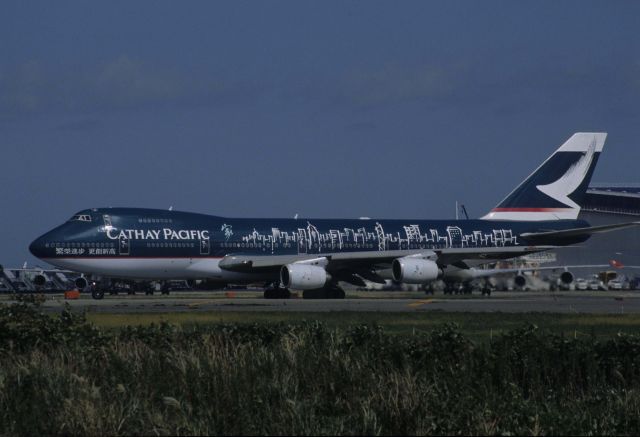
(150, 233)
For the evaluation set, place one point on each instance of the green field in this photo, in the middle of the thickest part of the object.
(318, 374)
(476, 326)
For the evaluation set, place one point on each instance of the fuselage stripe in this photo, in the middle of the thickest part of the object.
(531, 209)
(132, 257)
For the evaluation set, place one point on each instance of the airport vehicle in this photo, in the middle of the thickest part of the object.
(596, 284)
(464, 277)
(618, 284)
(314, 255)
(582, 284)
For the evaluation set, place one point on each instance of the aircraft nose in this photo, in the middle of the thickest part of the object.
(37, 247)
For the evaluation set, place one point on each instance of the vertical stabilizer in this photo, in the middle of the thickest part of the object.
(555, 190)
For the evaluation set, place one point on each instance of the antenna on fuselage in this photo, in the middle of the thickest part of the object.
(296, 216)
(460, 207)
(464, 211)
(171, 208)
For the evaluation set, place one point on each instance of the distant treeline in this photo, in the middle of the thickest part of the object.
(62, 375)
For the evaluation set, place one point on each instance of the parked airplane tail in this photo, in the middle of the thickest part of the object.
(556, 189)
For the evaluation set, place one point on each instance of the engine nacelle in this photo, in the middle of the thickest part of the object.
(303, 276)
(39, 280)
(415, 270)
(520, 280)
(566, 277)
(81, 283)
(383, 273)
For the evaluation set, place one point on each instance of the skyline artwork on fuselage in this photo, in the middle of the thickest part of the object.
(311, 239)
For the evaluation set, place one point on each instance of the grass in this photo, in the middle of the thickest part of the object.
(476, 326)
(257, 373)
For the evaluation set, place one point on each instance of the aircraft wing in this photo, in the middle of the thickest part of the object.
(346, 264)
(37, 270)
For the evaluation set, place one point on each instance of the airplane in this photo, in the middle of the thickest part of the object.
(465, 277)
(315, 255)
(34, 279)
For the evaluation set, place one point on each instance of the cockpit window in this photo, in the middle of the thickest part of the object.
(80, 218)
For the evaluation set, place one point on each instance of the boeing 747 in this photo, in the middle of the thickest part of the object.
(315, 255)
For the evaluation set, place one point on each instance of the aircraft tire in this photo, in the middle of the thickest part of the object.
(271, 293)
(324, 293)
(336, 293)
(97, 294)
(277, 293)
(427, 288)
(320, 293)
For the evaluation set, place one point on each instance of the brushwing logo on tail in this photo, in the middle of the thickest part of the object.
(571, 179)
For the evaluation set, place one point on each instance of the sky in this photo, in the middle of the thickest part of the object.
(321, 109)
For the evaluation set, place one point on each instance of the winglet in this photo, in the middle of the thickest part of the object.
(556, 189)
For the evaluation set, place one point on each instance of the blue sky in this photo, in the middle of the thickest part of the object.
(325, 109)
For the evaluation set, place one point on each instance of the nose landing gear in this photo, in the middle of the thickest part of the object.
(97, 292)
(274, 291)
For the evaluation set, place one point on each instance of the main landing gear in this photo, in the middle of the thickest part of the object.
(277, 293)
(329, 292)
(274, 291)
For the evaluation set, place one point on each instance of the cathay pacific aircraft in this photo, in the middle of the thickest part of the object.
(315, 255)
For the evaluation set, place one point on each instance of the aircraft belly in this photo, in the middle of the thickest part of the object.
(153, 268)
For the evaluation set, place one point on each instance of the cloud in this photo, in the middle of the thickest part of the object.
(120, 83)
(395, 84)
(126, 82)
(23, 88)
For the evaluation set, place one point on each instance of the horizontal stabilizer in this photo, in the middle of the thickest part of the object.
(534, 237)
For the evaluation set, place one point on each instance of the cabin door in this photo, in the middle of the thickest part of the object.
(123, 245)
(204, 246)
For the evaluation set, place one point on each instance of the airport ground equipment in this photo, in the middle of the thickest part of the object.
(35, 279)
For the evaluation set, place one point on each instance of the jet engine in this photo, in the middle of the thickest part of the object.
(303, 276)
(39, 280)
(415, 270)
(81, 283)
(566, 277)
(520, 280)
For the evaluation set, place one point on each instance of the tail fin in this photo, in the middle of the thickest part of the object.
(556, 189)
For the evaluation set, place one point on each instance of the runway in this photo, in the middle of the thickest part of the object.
(544, 302)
